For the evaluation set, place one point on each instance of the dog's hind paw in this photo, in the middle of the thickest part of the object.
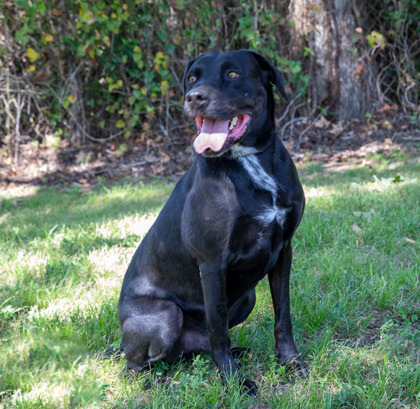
(250, 387)
(130, 371)
(110, 353)
(239, 352)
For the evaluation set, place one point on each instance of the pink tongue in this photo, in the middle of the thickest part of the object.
(212, 136)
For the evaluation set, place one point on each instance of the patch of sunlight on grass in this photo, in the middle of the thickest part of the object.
(137, 225)
(49, 369)
(114, 260)
(33, 262)
(46, 394)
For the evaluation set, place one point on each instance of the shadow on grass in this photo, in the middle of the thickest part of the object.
(88, 243)
(50, 359)
(25, 219)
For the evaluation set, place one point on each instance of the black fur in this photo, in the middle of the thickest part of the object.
(228, 223)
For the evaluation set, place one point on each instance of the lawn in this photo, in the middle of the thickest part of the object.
(354, 295)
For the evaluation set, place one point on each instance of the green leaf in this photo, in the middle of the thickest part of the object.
(376, 38)
(120, 123)
(398, 179)
(134, 120)
(32, 54)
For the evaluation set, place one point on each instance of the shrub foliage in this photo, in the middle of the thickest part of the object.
(109, 69)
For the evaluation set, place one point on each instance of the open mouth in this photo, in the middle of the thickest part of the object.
(213, 133)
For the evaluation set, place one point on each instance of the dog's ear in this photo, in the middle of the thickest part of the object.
(273, 74)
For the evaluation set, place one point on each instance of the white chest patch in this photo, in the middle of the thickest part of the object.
(238, 151)
(273, 213)
(264, 181)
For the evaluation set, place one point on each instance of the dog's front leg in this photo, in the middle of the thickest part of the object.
(213, 281)
(285, 350)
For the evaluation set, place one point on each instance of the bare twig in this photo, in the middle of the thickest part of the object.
(92, 138)
(287, 109)
(294, 120)
(412, 138)
(407, 99)
(307, 128)
(175, 75)
(141, 163)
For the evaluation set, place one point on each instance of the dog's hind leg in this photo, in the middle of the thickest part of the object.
(240, 312)
(151, 331)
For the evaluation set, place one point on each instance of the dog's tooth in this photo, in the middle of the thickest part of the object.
(233, 123)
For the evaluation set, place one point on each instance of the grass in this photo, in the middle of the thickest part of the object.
(354, 288)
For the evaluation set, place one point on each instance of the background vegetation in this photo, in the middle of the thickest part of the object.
(101, 70)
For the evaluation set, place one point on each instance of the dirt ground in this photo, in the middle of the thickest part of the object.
(390, 130)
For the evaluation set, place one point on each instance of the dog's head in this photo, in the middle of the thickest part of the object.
(231, 99)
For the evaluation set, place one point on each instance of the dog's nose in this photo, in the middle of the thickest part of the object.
(197, 99)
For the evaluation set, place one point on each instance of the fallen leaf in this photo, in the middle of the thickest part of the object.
(336, 130)
(322, 122)
(365, 214)
(46, 38)
(122, 149)
(356, 228)
(56, 12)
(386, 107)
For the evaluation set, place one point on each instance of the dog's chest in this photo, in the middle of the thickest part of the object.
(270, 212)
(239, 217)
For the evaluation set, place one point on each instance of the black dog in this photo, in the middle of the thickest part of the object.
(228, 223)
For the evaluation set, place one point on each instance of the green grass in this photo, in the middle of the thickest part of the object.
(354, 295)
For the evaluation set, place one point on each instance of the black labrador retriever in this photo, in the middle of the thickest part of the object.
(228, 223)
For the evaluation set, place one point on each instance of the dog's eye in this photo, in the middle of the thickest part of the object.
(192, 78)
(233, 74)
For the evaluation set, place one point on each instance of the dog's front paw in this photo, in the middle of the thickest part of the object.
(247, 385)
(297, 365)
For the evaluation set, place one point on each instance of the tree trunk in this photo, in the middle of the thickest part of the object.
(342, 80)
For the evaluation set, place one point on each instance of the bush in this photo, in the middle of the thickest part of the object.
(106, 69)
